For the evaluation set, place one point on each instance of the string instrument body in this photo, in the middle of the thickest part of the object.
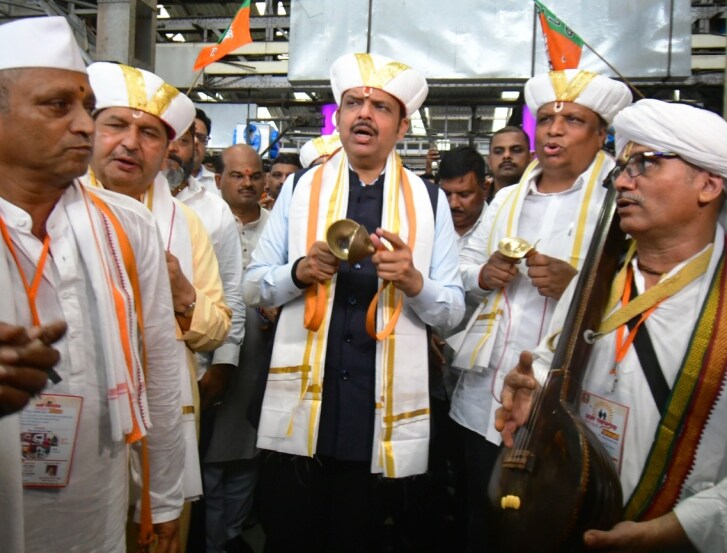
(558, 480)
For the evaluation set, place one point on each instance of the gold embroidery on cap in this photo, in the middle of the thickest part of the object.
(162, 98)
(136, 90)
(135, 87)
(378, 79)
(568, 91)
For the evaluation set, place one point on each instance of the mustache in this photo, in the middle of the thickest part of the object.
(175, 157)
(365, 124)
(630, 196)
(131, 154)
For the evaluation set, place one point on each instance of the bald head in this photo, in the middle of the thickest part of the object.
(240, 178)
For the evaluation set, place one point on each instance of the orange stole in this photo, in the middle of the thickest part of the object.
(697, 387)
(146, 531)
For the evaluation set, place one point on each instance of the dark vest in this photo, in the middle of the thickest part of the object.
(346, 427)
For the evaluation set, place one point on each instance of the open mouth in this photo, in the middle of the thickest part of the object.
(126, 164)
(363, 132)
(552, 149)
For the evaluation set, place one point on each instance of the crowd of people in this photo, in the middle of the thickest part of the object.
(204, 356)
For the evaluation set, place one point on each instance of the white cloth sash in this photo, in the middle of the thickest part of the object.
(173, 227)
(291, 407)
(172, 222)
(474, 345)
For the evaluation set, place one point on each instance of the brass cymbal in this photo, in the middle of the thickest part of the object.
(349, 241)
(514, 248)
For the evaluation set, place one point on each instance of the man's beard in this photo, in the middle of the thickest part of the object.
(177, 173)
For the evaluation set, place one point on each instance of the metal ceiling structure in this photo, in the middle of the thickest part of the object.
(455, 113)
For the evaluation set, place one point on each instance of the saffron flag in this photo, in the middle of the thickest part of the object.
(236, 35)
(562, 45)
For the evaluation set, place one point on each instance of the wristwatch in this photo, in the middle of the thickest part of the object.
(188, 311)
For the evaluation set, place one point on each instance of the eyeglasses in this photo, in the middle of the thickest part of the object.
(201, 137)
(638, 163)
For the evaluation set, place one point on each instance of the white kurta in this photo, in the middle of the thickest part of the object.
(220, 224)
(550, 220)
(702, 510)
(442, 387)
(11, 487)
(90, 513)
(207, 179)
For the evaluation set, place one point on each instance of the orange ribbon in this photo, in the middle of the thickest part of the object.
(622, 346)
(371, 313)
(31, 288)
(315, 296)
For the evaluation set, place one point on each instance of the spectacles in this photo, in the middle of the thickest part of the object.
(201, 137)
(638, 163)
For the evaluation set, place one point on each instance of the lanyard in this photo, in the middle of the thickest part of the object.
(31, 288)
(622, 346)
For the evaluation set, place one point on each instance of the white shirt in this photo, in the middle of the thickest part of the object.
(549, 221)
(220, 224)
(90, 513)
(442, 387)
(207, 179)
(250, 234)
(702, 510)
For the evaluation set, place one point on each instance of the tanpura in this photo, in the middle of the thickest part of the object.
(558, 481)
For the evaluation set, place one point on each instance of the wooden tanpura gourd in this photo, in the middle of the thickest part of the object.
(558, 481)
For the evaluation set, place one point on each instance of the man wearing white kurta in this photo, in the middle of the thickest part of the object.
(670, 183)
(220, 224)
(99, 255)
(137, 115)
(358, 404)
(554, 207)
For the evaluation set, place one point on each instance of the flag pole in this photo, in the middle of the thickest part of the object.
(631, 85)
(191, 87)
(541, 10)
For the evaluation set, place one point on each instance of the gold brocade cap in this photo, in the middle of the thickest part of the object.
(598, 93)
(318, 147)
(117, 85)
(401, 81)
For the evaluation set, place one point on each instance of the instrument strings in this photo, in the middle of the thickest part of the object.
(522, 440)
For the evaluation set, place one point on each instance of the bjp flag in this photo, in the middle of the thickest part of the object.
(562, 45)
(236, 35)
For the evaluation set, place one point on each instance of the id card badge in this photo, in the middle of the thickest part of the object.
(48, 431)
(607, 420)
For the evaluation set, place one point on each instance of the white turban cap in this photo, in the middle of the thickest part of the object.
(598, 93)
(46, 42)
(117, 85)
(401, 81)
(317, 147)
(697, 135)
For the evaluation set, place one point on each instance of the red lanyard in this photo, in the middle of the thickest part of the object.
(622, 346)
(31, 289)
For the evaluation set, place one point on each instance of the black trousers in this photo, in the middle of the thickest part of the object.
(479, 457)
(325, 505)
